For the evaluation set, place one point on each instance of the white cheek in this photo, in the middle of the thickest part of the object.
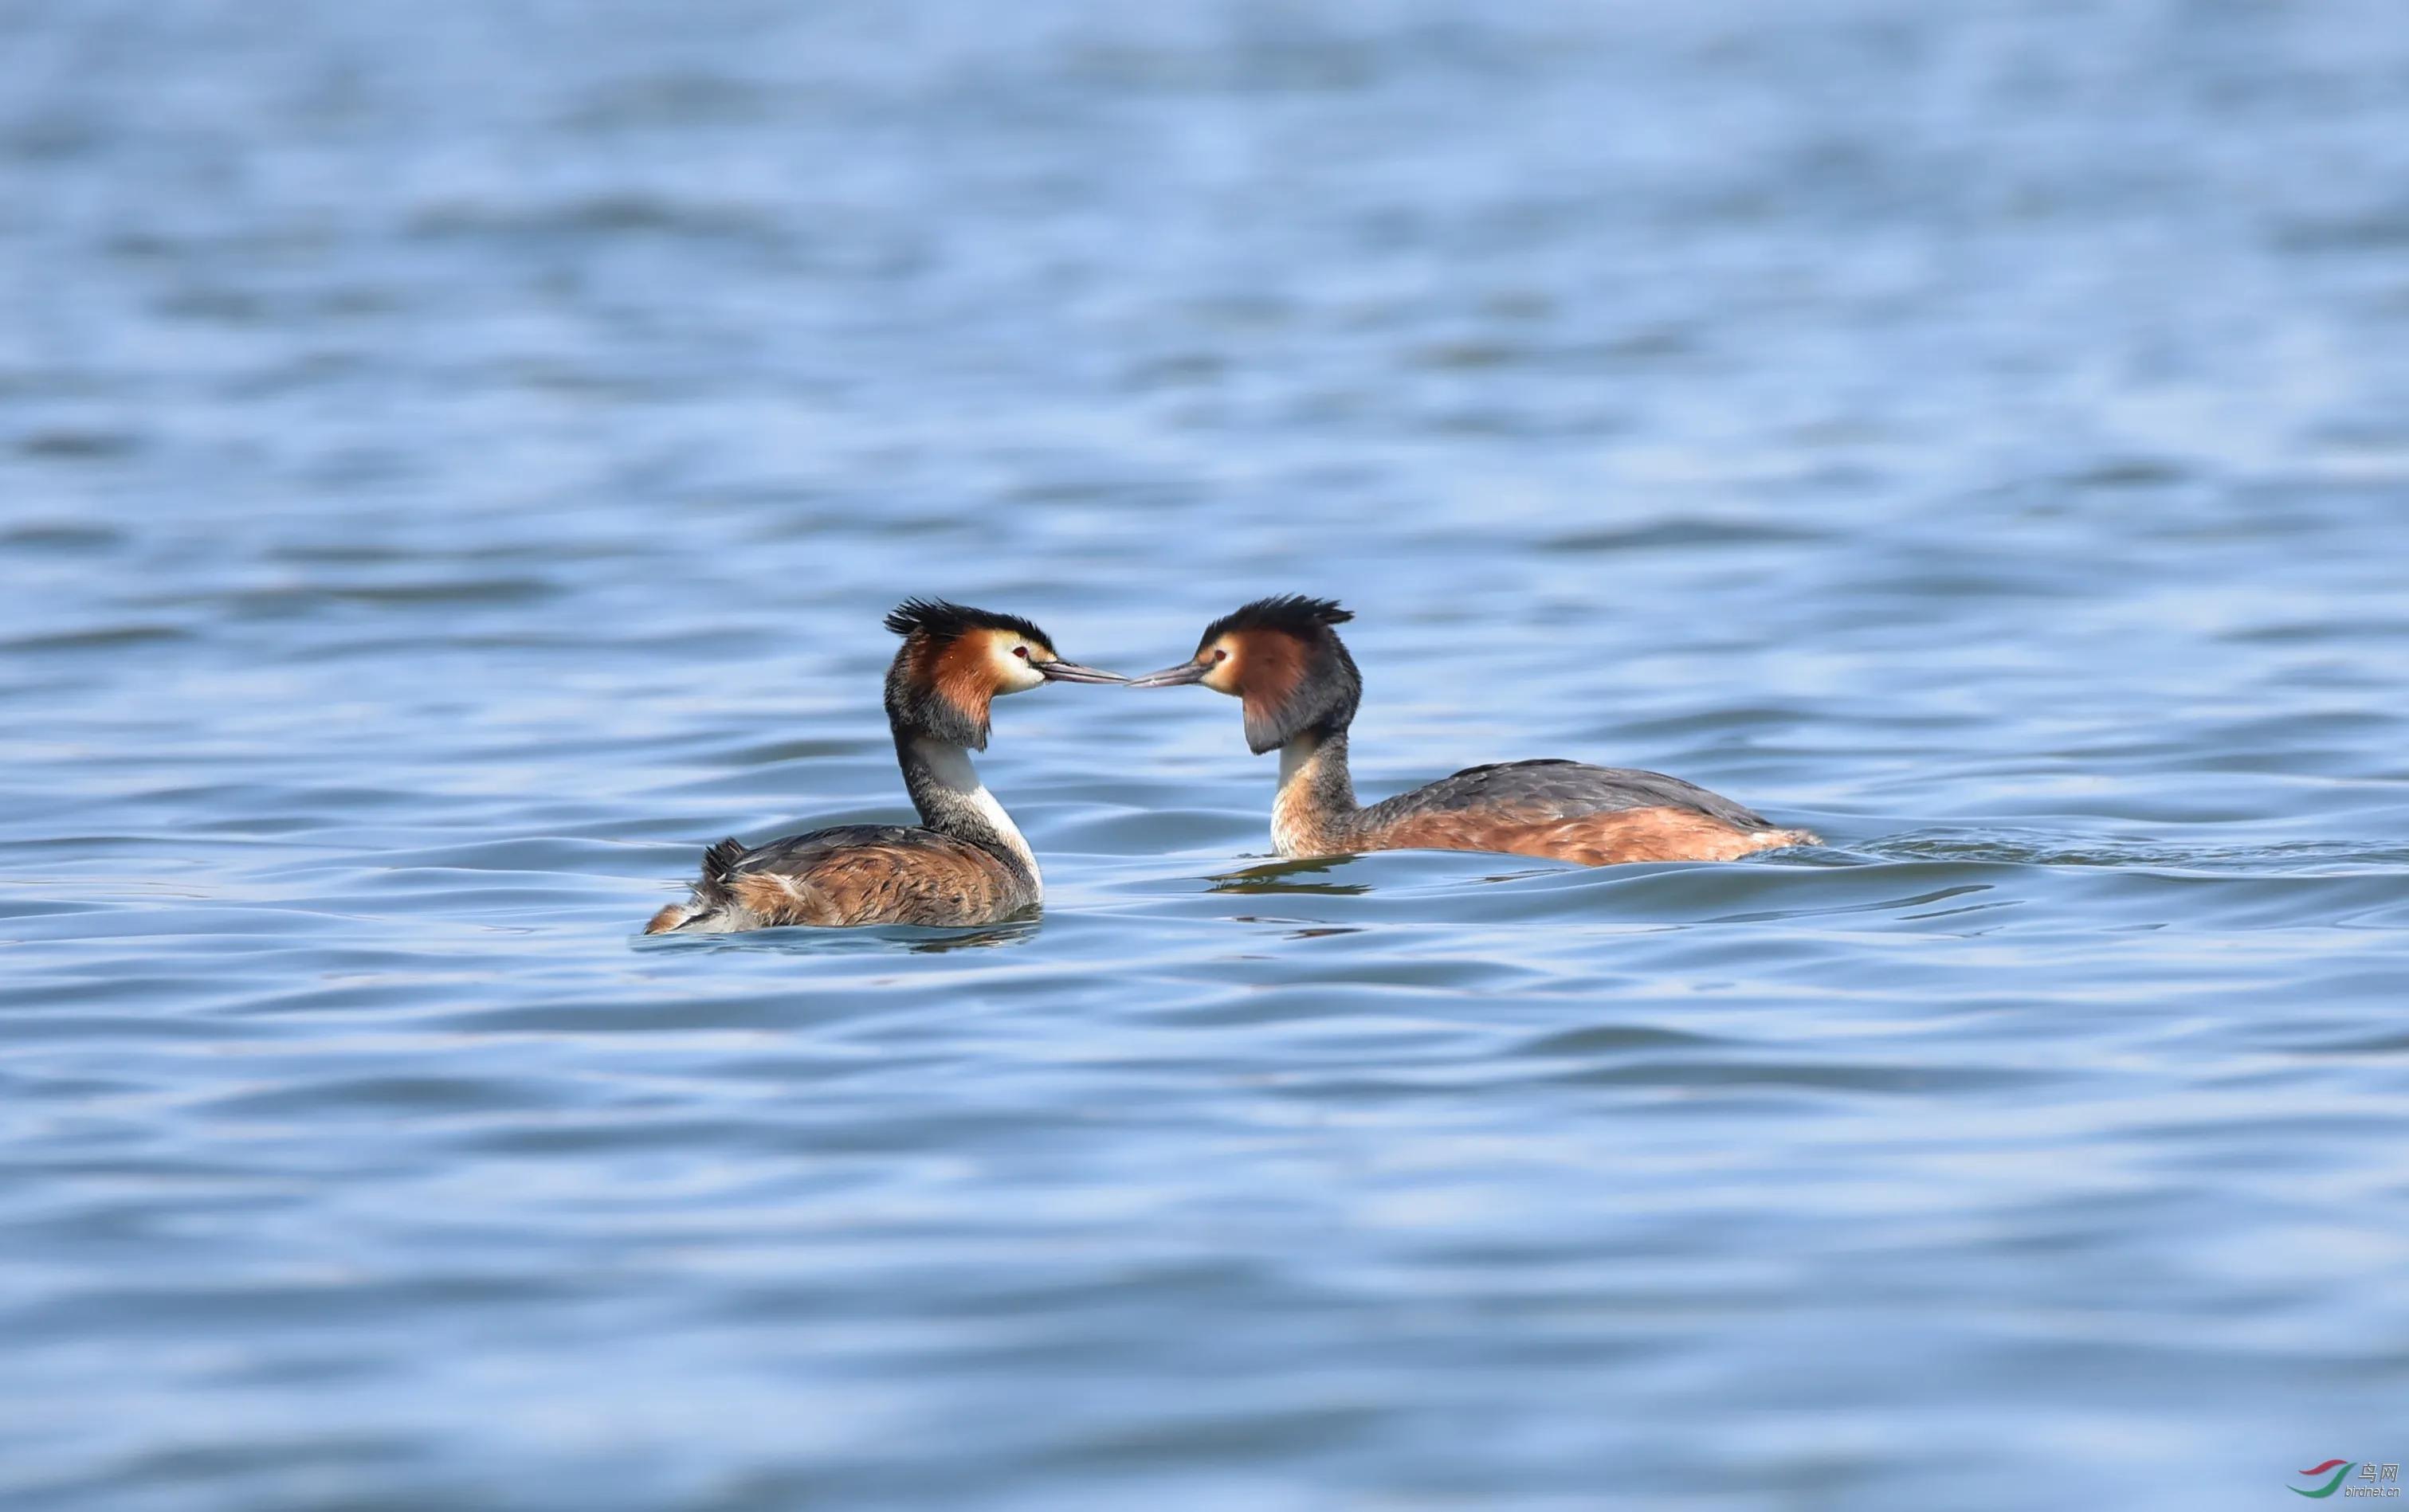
(1017, 676)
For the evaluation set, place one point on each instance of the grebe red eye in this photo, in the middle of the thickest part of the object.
(1219, 655)
(1021, 652)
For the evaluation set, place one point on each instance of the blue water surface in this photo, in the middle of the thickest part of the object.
(453, 460)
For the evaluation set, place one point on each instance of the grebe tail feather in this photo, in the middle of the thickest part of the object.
(711, 894)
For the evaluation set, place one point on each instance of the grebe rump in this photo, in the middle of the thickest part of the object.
(966, 862)
(1301, 689)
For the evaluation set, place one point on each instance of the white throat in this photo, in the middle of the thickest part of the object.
(1294, 756)
(950, 765)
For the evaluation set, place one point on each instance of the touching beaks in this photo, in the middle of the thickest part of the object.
(1070, 672)
(1172, 677)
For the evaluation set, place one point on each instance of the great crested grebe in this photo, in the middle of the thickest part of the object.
(1301, 689)
(966, 863)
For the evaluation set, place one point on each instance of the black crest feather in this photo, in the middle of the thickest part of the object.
(942, 621)
(1292, 612)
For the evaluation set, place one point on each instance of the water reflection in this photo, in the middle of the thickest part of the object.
(1286, 876)
(803, 940)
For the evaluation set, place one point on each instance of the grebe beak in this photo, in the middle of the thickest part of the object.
(1172, 677)
(1070, 672)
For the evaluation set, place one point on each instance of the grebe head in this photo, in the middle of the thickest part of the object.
(1282, 657)
(957, 660)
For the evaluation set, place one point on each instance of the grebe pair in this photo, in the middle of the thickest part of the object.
(966, 863)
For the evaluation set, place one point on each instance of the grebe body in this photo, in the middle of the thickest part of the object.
(966, 863)
(1300, 690)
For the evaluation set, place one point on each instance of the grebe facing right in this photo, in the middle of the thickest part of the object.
(966, 863)
(1301, 689)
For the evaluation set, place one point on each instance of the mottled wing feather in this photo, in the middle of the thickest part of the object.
(855, 874)
(797, 852)
(1538, 792)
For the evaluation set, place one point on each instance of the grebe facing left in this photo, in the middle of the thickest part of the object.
(1301, 688)
(966, 863)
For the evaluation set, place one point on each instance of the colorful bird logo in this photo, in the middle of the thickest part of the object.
(2339, 1468)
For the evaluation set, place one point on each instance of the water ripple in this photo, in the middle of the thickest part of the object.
(459, 473)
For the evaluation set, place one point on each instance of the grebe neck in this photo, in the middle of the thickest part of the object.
(1315, 812)
(952, 801)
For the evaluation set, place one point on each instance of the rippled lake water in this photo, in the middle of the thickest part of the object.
(453, 460)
